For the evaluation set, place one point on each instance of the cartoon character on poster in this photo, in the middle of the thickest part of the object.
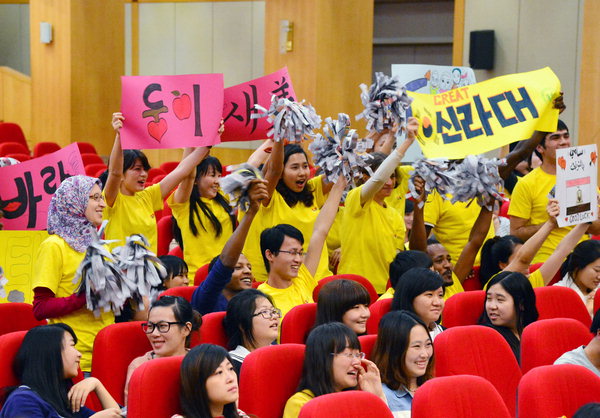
(576, 184)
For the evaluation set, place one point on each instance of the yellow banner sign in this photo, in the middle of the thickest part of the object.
(18, 250)
(488, 115)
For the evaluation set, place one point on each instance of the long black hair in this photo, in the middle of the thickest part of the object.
(586, 252)
(494, 251)
(238, 320)
(197, 366)
(39, 365)
(196, 202)
(291, 197)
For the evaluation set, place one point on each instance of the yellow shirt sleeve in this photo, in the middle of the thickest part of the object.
(536, 279)
(389, 294)
(296, 402)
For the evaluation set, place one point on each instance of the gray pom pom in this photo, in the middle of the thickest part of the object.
(291, 120)
(236, 184)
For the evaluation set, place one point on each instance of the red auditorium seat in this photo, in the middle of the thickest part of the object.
(360, 279)
(464, 308)
(164, 228)
(464, 396)
(11, 132)
(201, 274)
(557, 391)
(561, 302)
(17, 317)
(89, 158)
(297, 323)
(93, 169)
(280, 366)
(43, 148)
(349, 404)
(19, 157)
(378, 309)
(169, 166)
(185, 292)
(86, 148)
(367, 342)
(7, 148)
(212, 331)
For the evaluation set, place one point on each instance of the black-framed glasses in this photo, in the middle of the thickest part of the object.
(351, 356)
(162, 326)
(293, 253)
(269, 313)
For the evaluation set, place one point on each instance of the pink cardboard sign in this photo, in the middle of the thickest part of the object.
(240, 101)
(27, 188)
(171, 111)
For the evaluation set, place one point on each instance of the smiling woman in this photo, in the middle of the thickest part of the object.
(344, 301)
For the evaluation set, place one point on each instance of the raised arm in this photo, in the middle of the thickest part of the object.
(418, 233)
(385, 140)
(273, 169)
(261, 154)
(115, 163)
(323, 224)
(464, 265)
(182, 171)
(387, 167)
(183, 192)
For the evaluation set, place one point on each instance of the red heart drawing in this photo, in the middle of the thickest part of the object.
(566, 219)
(182, 106)
(157, 129)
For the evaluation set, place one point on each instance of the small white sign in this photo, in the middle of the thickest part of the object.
(576, 184)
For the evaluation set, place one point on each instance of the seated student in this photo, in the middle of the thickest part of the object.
(251, 322)
(510, 254)
(177, 271)
(583, 271)
(403, 262)
(404, 354)
(509, 307)
(421, 291)
(291, 272)
(344, 301)
(209, 385)
(587, 356)
(230, 272)
(44, 365)
(333, 363)
(171, 321)
(589, 410)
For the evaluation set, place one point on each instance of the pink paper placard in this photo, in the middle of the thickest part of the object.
(27, 188)
(171, 111)
(240, 101)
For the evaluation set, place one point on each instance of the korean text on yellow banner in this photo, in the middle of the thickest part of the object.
(488, 115)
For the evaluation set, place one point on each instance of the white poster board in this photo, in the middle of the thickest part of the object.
(576, 184)
(430, 79)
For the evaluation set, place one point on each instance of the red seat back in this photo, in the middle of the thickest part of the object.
(153, 173)
(367, 342)
(297, 323)
(479, 351)
(378, 310)
(281, 367)
(12, 148)
(20, 157)
(11, 132)
(352, 403)
(464, 397)
(91, 158)
(557, 391)
(154, 389)
(360, 279)
(561, 302)
(9, 345)
(472, 282)
(164, 228)
(115, 347)
(177, 250)
(169, 166)
(17, 317)
(86, 148)
(463, 308)
(43, 148)
(201, 274)
(185, 292)
(212, 330)
(546, 340)
(93, 169)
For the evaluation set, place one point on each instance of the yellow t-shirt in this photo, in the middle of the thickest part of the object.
(54, 269)
(134, 215)
(298, 293)
(536, 279)
(455, 288)
(452, 223)
(333, 240)
(371, 237)
(296, 402)
(397, 199)
(388, 294)
(278, 212)
(529, 201)
(201, 249)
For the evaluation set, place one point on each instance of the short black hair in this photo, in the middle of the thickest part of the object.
(560, 126)
(337, 297)
(129, 157)
(411, 284)
(272, 238)
(406, 260)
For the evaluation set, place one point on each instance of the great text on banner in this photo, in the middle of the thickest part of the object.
(171, 111)
(488, 115)
(241, 99)
(27, 188)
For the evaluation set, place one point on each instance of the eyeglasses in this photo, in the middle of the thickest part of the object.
(269, 313)
(162, 326)
(97, 197)
(293, 253)
(351, 356)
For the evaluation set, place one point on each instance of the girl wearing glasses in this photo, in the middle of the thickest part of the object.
(209, 385)
(344, 301)
(251, 322)
(44, 366)
(171, 321)
(73, 215)
(404, 354)
(332, 363)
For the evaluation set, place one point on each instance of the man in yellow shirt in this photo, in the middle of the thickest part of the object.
(291, 272)
(527, 209)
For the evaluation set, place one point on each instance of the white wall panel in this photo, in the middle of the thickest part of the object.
(258, 39)
(194, 42)
(14, 36)
(157, 38)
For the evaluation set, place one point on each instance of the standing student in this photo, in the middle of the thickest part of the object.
(73, 215)
(130, 205)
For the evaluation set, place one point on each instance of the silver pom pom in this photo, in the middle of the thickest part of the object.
(435, 174)
(291, 120)
(142, 269)
(340, 151)
(236, 184)
(385, 103)
(477, 178)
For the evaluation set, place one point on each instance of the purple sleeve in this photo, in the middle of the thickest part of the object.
(207, 297)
